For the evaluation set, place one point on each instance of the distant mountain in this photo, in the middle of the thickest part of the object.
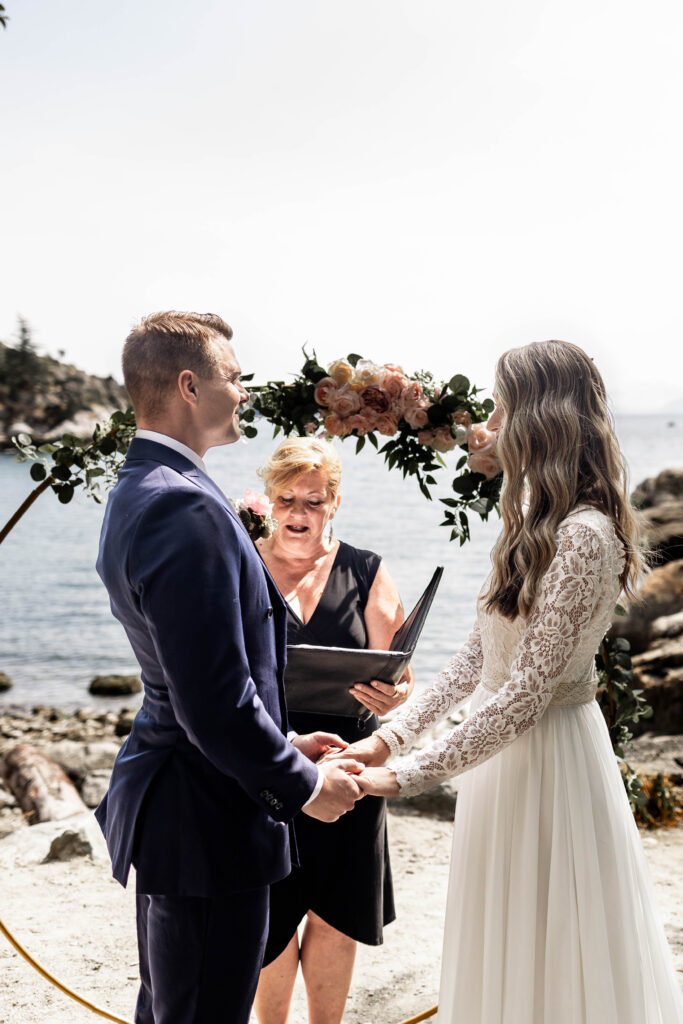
(45, 398)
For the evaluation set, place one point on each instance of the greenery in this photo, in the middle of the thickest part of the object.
(3, 17)
(448, 410)
(653, 800)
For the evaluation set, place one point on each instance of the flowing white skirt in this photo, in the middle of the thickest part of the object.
(551, 914)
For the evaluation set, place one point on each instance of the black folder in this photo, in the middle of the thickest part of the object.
(318, 679)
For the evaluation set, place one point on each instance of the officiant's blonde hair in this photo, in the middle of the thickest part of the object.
(558, 449)
(161, 347)
(298, 455)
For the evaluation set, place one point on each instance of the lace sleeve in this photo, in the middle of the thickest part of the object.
(452, 686)
(567, 596)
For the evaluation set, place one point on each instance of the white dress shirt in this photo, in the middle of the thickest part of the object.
(190, 453)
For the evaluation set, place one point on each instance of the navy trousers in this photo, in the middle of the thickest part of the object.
(200, 958)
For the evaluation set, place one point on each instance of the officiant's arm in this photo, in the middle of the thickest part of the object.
(383, 616)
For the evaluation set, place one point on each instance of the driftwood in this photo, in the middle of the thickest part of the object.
(40, 786)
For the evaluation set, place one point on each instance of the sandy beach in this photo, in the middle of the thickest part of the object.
(79, 923)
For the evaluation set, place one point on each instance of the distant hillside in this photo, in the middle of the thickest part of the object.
(46, 398)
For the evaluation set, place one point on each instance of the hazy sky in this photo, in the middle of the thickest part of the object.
(424, 182)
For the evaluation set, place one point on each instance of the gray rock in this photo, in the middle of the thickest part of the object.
(125, 722)
(5, 682)
(68, 845)
(668, 626)
(438, 802)
(94, 787)
(663, 529)
(666, 486)
(70, 756)
(7, 799)
(659, 672)
(115, 686)
(662, 595)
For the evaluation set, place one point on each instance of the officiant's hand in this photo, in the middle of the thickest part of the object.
(371, 751)
(379, 782)
(339, 792)
(314, 745)
(379, 697)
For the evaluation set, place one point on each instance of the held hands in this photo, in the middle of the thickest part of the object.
(378, 782)
(339, 792)
(379, 697)
(371, 751)
(315, 745)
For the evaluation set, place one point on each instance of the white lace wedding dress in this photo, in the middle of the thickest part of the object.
(551, 915)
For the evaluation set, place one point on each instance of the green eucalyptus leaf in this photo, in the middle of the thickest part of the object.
(65, 494)
(61, 472)
(24, 440)
(38, 471)
(107, 446)
(459, 384)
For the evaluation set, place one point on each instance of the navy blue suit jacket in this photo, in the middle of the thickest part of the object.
(204, 784)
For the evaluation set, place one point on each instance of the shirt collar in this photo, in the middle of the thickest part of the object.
(177, 446)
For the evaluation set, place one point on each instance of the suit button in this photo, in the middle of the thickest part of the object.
(269, 611)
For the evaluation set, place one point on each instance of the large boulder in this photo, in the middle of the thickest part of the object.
(666, 486)
(5, 682)
(114, 686)
(661, 595)
(663, 529)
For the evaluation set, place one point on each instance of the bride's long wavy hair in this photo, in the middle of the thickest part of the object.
(558, 449)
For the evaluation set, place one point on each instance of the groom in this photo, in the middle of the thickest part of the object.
(204, 785)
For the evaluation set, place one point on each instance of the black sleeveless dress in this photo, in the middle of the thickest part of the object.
(344, 875)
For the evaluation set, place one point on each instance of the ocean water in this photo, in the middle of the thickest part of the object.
(56, 629)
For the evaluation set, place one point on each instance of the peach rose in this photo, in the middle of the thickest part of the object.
(386, 424)
(257, 503)
(425, 436)
(341, 371)
(416, 416)
(393, 383)
(361, 422)
(344, 401)
(334, 425)
(375, 398)
(482, 462)
(411, 394)
(368, 374)
(482, 439)
(324, 388)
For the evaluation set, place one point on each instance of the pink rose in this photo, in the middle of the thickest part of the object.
(334, 425)
(462, 418)
(394, 381)
(386, 424)
(375, 398)
(311, 427)
(344, 401)
(482, 462)
(425, 436)
(361, 422)
(324, 389)
(257, 503)
(416, 416)
(481, 439)
(411, 394)
(443, 440)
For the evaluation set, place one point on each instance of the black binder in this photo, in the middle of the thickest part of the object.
(318, 679)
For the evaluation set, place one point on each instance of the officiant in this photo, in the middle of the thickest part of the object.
(337, 596)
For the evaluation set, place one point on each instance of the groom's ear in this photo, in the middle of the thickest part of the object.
(187, 386)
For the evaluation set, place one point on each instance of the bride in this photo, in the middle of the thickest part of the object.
(551, 916)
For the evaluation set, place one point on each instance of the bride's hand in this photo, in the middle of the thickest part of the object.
(371, 751)
(378, 782)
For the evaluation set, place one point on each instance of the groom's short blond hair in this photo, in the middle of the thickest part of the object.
(161, 347)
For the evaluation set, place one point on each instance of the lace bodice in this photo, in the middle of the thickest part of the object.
(527, 664)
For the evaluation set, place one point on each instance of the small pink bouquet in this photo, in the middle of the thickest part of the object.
(256, 513)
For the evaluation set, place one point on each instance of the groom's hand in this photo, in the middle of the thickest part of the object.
(339, 790)
(314, 745)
